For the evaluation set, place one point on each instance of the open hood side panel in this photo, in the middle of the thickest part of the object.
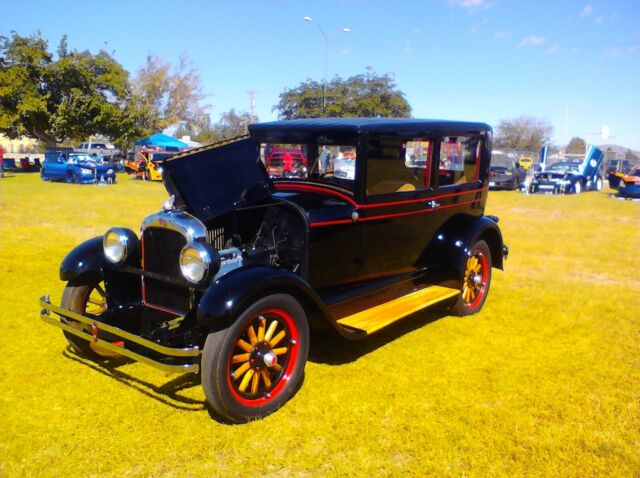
(214, 180)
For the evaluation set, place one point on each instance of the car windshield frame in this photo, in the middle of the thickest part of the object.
(564, 167)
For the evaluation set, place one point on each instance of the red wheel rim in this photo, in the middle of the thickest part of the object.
(252, 376)
(476, 276)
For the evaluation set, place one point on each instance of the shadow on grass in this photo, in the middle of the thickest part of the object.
(328, 347)
(167, 393)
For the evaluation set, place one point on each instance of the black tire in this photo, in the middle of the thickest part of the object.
(475, 281)
(230, 397)
(76, 298)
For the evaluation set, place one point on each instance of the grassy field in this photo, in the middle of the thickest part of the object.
(545, 381)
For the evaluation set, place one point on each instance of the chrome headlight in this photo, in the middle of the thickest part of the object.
(160, 170)
(116, 244)
(109, 171)
(86, 171)
(197, 261)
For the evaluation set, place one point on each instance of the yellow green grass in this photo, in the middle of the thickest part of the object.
(545, 381)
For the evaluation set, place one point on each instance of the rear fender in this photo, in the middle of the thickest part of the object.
(453, 242)
(230, 295)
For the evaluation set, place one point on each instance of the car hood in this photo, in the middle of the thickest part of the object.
(211, 181)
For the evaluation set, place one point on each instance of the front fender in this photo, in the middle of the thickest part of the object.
(227, 297)
(86, 258)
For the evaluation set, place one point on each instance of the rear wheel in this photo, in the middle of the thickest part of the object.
(251, 368)
(89, 300)
(476, 280)
(599, 184)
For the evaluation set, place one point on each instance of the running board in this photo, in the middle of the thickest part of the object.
(376, 318)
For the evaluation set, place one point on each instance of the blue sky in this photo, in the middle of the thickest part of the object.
(575, 63)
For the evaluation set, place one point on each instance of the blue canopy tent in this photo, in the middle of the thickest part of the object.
(162, 141)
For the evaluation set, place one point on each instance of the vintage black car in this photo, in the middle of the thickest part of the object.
(231, 276)
(568, 177)
(505, 172)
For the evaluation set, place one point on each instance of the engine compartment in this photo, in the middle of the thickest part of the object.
(265, 235)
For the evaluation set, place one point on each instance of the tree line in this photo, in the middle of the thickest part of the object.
(71, 95)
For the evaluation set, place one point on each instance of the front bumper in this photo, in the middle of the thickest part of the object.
(502, 183)
(189, 357)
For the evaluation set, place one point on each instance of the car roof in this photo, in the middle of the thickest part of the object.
(305, 128)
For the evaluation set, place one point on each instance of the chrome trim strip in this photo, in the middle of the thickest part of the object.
(48, 307)
(187, 225)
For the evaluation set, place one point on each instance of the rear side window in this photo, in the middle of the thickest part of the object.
(459, 160)
(397, 165)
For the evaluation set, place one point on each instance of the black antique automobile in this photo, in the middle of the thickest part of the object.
(231, 276)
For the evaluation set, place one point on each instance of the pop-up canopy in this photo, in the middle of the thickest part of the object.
(162, 141)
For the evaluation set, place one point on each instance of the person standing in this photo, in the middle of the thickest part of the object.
(1, 162)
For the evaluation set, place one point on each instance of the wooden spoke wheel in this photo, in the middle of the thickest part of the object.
(251, 368)
(91, 301)
(476, 280)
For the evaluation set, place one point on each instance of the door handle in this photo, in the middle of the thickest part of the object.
(432, 204)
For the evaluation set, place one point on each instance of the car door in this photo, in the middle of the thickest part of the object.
(55, 168)
(395, 227)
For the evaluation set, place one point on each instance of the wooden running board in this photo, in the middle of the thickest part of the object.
(378, 317)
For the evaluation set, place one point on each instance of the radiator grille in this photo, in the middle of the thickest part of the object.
(216, 238)
(161, 253)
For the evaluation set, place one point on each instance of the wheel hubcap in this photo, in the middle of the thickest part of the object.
(474, 281)
(262, 357)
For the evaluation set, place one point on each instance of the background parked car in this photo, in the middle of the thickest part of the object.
(567, 177)
(105, 150)
(629, 186)
(505, 172)
(76, 168)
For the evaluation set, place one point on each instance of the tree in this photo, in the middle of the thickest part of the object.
(230, 125)
(631, 155)
(76, 95)
(576, 145)
(524, 133)
(367, 95)
(166, 96)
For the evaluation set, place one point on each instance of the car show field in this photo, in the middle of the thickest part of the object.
(544, 381)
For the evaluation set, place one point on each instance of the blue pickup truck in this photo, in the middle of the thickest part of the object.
(76, 168)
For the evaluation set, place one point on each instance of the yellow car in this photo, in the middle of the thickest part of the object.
(525, 162)
(147, 165)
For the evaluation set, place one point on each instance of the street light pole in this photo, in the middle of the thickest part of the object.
(326, 58)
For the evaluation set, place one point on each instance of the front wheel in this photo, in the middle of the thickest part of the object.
(89, 300)
(599, 184)
(476, 280)
(251, 368)
(577, 187)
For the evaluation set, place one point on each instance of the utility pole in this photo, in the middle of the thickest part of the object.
(252, 105)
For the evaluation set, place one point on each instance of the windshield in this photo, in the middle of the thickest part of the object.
(81, 159)
(564, 167)
(325, 163)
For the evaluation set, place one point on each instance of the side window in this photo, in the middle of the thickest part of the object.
(396, 165)
(459, 160)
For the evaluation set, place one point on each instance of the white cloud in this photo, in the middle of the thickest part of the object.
(471, 4)
(531, 40)
(599, 20)
(501, 35)
(467, 3)
(553, 49)
(613, 53)
(586, 11)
